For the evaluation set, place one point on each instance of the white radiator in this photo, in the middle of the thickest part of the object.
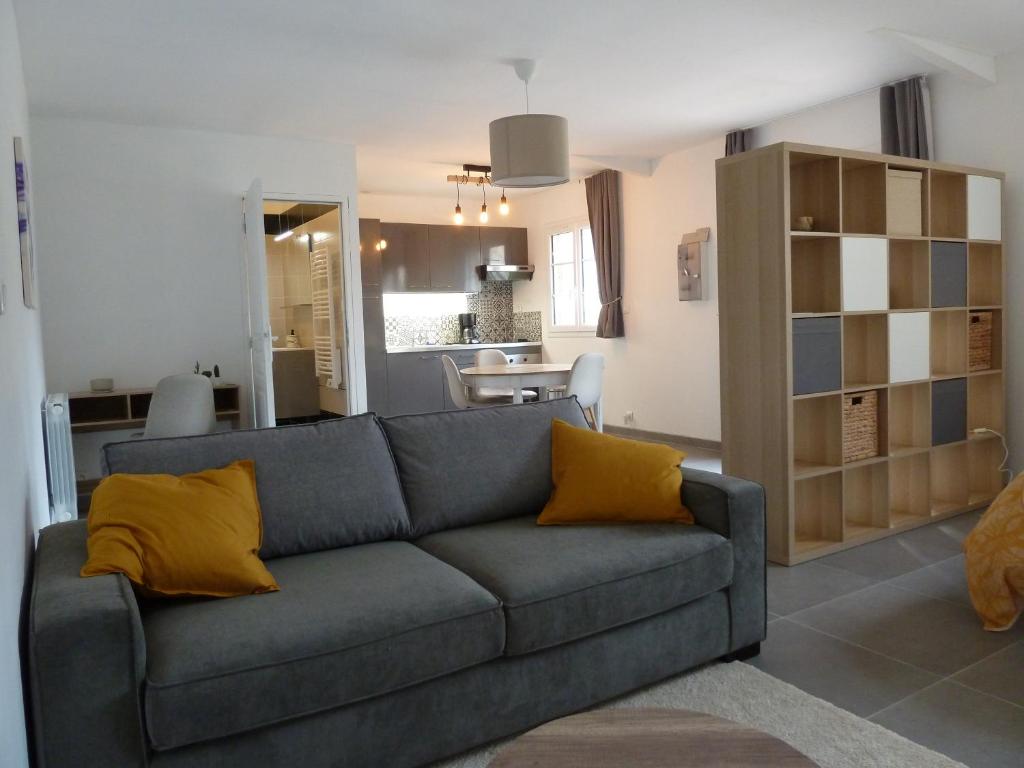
(60, 460)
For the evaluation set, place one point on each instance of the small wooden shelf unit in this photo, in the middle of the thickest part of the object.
(127, 408)
(879, 296)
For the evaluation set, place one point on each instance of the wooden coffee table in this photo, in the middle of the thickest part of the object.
(647, 738)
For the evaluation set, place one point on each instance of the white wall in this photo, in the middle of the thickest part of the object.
(980, 126)
(23, 507)
(141, 246)
(851, 123)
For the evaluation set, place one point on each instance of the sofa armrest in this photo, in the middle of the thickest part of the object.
(734, 508)
(87, 659)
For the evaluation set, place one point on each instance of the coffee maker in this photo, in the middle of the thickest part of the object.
(467, 328)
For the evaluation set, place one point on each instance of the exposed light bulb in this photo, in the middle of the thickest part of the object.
(283, 236)
(503, 204)
(383, 244)
(458, 218)
(483, 214)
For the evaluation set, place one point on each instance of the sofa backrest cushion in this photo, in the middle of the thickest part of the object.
(478, 465)
(321, 486)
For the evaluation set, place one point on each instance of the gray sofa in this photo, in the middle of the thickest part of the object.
(421, 613)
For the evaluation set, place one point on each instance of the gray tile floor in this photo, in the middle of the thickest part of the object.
(886, 631)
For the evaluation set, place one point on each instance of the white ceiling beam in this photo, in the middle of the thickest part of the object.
(639, 166)
(979, 67)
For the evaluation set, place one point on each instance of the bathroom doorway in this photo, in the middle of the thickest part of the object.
(305, 309)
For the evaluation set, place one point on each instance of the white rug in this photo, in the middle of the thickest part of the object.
(830, 736)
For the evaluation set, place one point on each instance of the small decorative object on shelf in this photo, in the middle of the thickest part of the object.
(101, 385)
(805, 223)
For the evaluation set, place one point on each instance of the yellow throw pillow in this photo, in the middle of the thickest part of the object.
(197, 534)
(600, 478)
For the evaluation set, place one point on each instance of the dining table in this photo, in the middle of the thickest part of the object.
(520, 376)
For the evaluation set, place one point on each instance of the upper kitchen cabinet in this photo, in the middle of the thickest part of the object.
(405, 260)
(454, 253)
(503, 245)
(369, 256)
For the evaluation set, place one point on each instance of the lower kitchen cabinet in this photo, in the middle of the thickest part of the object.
(415, 383)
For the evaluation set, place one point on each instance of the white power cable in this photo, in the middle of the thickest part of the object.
(1006, 451)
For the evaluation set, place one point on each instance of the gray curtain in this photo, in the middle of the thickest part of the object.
(905, 109)
(604, 204)
(738, 141)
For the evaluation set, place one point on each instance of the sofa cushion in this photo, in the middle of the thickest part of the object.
(561, 584)
(348, 624)
(495, 462)
(325, 485)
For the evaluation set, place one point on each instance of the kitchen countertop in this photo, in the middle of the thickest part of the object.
(449, 347)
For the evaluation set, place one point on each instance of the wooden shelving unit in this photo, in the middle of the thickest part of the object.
(878, 298)
(127, 408)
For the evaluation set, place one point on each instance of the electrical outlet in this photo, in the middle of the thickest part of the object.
(630, 418)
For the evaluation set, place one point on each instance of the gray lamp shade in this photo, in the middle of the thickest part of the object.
(529, 151)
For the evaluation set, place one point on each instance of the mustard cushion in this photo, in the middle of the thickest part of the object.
(600, 478)
(197, 534)
(994, 559)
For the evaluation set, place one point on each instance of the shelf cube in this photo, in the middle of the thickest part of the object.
(984, 208)
(865, 274)
(949, 274)
(909, 346)
(949, 411)
(817, 355)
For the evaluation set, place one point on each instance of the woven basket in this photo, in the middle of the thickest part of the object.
(860, 425)
(979, 341)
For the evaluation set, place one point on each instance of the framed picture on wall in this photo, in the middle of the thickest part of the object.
(28, 262)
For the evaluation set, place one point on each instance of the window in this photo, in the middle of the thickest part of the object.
(575, 301)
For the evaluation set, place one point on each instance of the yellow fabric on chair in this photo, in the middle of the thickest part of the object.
(994, 553)
(601, 478)
(197, 534)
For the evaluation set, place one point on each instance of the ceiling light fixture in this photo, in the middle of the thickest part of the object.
(483, 209)
(529, 150)
(503, 204)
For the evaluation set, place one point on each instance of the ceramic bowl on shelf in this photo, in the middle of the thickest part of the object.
(805, 223)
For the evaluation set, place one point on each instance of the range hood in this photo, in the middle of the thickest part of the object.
(505, 271)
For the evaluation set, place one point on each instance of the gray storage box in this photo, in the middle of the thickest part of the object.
(817, 355)
(949, 274)
(949, 411)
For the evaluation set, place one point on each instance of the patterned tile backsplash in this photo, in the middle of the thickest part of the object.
(496, 321)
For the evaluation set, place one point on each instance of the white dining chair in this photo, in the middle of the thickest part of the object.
(585, 381)
(460, 392)
(497, 357)
(181, 405)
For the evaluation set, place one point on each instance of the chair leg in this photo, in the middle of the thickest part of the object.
(591, 419)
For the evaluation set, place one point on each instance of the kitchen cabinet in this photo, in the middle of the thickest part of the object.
(405, 262)
(370, 256)
(503, 245)
(454, 254)
(415, 383)
(376, 354)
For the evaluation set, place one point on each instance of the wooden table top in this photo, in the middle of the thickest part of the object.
(647, 738)
(519, 369)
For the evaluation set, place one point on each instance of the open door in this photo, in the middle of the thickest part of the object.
(259, 318)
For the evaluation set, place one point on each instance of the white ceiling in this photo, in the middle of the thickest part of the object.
(414, 83)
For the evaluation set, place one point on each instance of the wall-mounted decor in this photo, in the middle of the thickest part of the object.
(28, 264)
(689, 261)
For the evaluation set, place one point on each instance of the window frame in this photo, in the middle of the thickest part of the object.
(575, 227)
